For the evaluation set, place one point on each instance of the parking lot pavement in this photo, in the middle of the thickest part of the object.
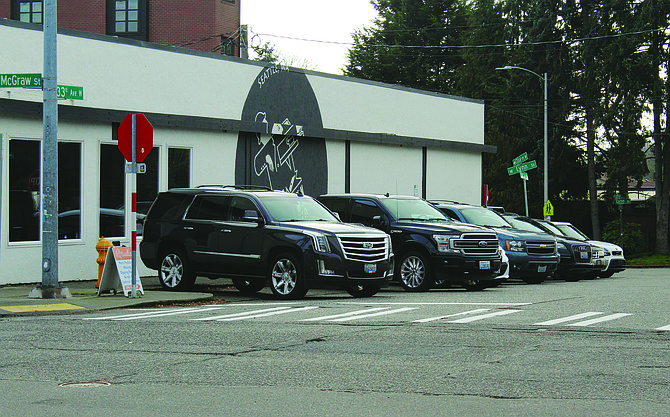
(83, 295)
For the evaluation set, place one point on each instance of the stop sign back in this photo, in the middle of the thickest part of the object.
(144, 137)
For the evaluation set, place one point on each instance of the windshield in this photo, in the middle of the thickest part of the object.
(522, 225)
(555, 230)
(294, 208)
(570, 230)
(412, 209)
(484, 217)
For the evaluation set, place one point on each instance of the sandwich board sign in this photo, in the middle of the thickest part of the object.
(117, 272)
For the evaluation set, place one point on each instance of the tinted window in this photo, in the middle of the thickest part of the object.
(169, 206)
(238, 207)
(209, 207)
(364, 211)
(338, 206)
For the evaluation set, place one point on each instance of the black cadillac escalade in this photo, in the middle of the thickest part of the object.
(429, 247)
(258, 236)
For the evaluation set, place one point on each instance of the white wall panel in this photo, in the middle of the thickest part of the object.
(383, 169)
(453, 175)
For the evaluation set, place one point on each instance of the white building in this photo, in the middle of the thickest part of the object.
(217, 120)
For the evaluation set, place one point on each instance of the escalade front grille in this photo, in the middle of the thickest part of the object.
(365, 248)
(540, 247)
(476, 244)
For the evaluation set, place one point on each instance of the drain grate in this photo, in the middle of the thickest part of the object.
(84, 384)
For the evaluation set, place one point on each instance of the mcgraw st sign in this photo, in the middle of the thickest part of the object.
(519, 159)
(21, 80)
(521, 167)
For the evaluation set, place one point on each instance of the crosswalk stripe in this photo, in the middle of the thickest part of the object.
(380, 313)
(664, 328)
(351, 313)
(600, 319)
(484, 316)
(271, 313)
(244, 313)
(479, 310)
(144, 314)
(170, 313)
(570, 318)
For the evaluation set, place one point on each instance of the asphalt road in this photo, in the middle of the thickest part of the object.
(590, 348)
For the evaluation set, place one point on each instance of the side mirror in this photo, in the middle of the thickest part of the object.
(337, 215)
(378, 221)
(252, 216)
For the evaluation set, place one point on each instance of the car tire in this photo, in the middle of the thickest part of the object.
(363, 291)
(248, 287)
(287, 281)
(606, 274)
(175, 272)
(474, 285)
(414, 273)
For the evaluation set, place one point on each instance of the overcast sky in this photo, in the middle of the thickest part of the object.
(295, 26)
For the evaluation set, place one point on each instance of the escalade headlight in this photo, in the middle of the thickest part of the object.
(515, 245)
(444, 243)
(320, 242)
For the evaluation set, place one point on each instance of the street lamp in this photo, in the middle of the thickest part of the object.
(546, 129)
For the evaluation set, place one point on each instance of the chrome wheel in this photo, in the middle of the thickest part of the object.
(174, 272)
(286, 278)
(414, 272)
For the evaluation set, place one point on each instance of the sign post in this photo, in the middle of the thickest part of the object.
(520, 166)
(136, 136)
(621, 201)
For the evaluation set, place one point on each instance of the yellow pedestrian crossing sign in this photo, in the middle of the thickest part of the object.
(548, 209)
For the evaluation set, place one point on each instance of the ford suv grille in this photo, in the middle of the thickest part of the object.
(540, 247)
(476, 244)
(364, 248)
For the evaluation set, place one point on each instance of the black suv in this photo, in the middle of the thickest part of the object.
(256, 236)
(430, 248)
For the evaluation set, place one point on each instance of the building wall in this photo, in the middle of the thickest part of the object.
(192, 24)
(301, 130)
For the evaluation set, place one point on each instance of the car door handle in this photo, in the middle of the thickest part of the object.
(188, 228)
(226, 230)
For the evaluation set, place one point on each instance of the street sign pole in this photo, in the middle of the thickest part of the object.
(133, 214)
(524, 178)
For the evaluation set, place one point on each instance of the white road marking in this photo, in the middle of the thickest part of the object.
(145, 313)
(570, 318)
(479, 310)
(170, 313)
(351, 313)
(664, 328)
(600, 319)
(484, 316)
(272, 313)
(381, 313)
(244, 313)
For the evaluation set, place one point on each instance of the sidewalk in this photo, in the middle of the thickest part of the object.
(14, 298)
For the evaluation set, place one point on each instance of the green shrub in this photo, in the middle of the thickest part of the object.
(633, 241)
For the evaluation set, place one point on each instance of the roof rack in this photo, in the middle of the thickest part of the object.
(238, 187)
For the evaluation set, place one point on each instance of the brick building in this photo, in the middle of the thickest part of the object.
(205, 25)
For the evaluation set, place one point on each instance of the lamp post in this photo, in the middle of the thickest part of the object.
(546, 128)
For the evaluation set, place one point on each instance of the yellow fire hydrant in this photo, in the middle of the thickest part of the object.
(102, 247)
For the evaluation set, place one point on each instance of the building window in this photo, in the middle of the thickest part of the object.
(27, 11)
(25, 188)
(127, 18)
(179, 168)
(113, 178)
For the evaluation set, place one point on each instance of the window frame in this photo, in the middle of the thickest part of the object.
(142, 33)
(16, 11)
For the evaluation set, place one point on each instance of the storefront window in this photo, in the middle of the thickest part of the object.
(25, 187)
(112, 190)
(24, 190)
(179, 168)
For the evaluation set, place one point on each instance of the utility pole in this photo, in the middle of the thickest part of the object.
(49, 215)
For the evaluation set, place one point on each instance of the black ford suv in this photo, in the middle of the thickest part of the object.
(258, 236)
(430, 248)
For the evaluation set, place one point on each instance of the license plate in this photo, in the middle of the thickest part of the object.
(585, 255)
(542, 268)
(484, 264)
(370, 268)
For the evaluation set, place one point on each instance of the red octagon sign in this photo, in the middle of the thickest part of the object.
(144, 137)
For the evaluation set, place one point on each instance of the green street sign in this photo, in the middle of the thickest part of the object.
(519, 159)
(21, 80)
(621, 201)
(521, 167)
(70, 92)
